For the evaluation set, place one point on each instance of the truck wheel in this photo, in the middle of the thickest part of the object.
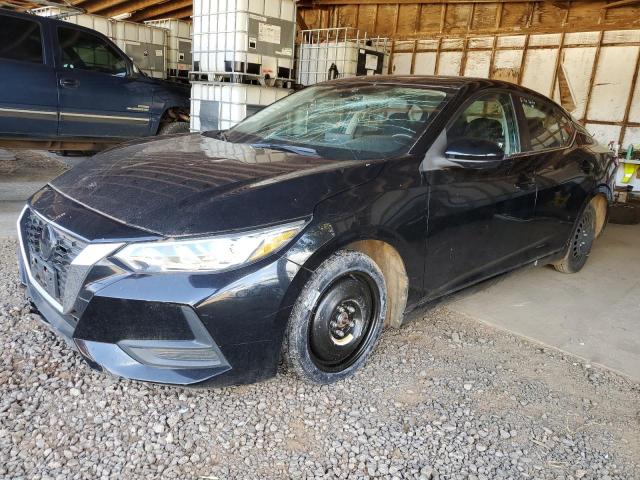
(173, 128)
(337, 319)
(580, 243)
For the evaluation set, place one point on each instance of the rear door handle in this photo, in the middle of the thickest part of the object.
(69, 83)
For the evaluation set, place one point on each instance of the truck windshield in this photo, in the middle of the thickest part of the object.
(350, 122)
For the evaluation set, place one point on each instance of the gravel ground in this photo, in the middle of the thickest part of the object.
(444, 397)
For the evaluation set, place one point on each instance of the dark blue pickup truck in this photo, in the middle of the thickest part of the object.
(65, 87)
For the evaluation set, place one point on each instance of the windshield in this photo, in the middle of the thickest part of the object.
(344, 121)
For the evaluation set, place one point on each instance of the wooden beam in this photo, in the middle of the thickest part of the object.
(559, 59)
(523, 61)
(94, 6)
(302, 25)
(384, 2)
(621, 3)
(164, 9)
(437, 63)
(125, 7)
(592, 79)
(184, 14)
(443, 17)
(627, 110)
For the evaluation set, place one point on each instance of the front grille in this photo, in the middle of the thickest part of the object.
(65, 251)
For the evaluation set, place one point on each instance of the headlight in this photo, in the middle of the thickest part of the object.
(207, 254)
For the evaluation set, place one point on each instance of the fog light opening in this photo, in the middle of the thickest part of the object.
(172, 355)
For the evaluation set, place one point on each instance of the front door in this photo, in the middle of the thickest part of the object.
(29, 96)
(99, 94)
(479, 213)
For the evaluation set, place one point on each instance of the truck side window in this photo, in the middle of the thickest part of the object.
(84, 51)
(20, 39)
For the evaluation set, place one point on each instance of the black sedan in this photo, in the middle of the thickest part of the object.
(297, 235)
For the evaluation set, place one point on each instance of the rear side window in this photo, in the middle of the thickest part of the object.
(83, 51)
(547, 126)
(20, 39)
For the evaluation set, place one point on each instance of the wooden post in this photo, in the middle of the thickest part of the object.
(524, 59)
(437, 64)
(627, 109)
(557, 66)
(413, 57)
(594, 70)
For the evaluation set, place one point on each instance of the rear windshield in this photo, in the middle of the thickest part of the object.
(350, 122)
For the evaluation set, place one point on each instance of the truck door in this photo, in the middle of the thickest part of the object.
(100, 95)
(28, 93)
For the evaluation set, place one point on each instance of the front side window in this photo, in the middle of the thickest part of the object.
(340, 121)
(83, 51)
(20, 39)
(490, 117)
(547, 126)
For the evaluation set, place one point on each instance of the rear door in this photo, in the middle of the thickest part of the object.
(100, 96)
(28, 93)
(564, 172)
(480, 213)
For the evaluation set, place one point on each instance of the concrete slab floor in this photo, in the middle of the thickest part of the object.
(33, 170)
(594, 314)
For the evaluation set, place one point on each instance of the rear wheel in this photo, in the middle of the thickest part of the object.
(173, 128)
(580, 243)
(337, 318)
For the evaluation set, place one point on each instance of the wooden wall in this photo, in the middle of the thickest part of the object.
(583, 55)
(406, 20)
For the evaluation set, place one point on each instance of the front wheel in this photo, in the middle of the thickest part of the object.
(337, 319)
(580, 243)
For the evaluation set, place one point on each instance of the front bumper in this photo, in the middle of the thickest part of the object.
(147, 327)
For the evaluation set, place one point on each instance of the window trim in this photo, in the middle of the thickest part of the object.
(454, 116)
(42, 43)
(94, 34)
(524, 127)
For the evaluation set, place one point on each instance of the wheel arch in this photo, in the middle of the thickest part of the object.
(171, 114)
(601, 198)
(384, 248)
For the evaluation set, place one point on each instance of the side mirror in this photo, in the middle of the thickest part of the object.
(471, 150)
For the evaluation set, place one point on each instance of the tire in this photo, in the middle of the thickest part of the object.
(580, 243)
(173, 128)
(337, 319)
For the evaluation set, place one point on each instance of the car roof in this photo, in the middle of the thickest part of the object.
(454, 85)
(469, 84)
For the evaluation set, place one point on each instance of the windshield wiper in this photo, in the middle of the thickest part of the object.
(286, 148)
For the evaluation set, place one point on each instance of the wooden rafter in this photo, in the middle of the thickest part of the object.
(166, 9)
(127, 7)
(95, 6)
(621, 3)
(183, 14)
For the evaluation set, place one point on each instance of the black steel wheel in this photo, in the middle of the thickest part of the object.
(580, 243)
(337, 318)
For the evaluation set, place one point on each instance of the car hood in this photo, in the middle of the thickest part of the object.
(194, 184)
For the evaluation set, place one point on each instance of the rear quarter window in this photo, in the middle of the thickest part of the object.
(20, 39)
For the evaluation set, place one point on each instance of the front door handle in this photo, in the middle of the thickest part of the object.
(69, 83)
(526, 183)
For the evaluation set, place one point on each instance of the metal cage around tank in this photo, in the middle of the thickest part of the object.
(341, 52)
